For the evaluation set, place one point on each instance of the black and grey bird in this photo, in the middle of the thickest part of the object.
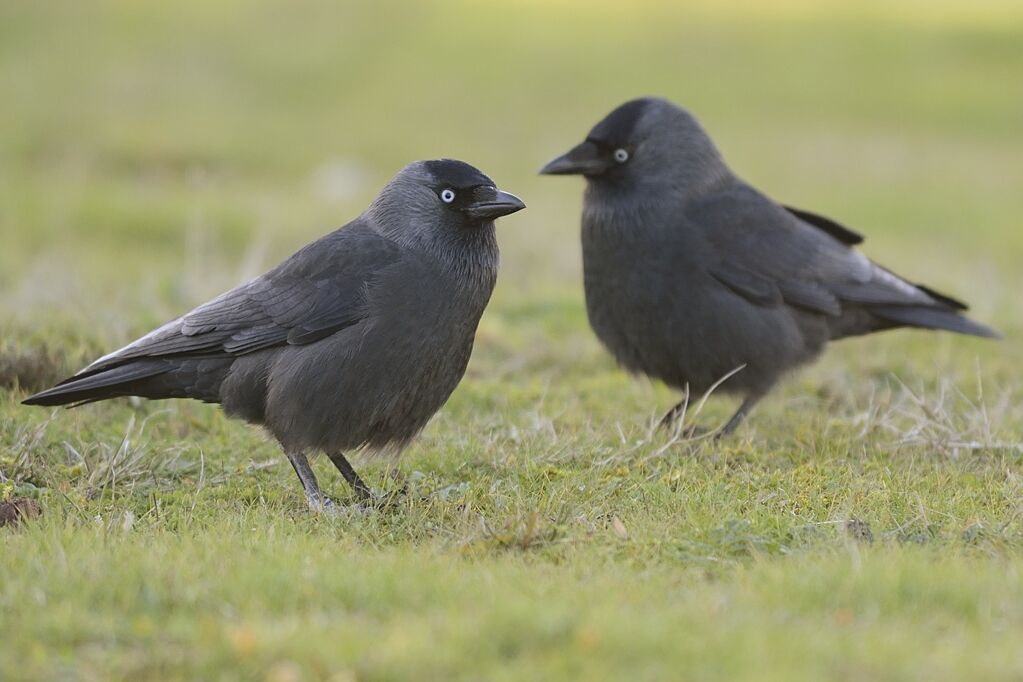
(691, 274)
(355, 341)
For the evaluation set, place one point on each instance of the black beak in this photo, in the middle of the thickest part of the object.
(583, 159)
(502, 203)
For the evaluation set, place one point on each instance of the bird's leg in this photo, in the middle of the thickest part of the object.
(740, 414)
(318, 502)
(677, 411)
(673, 415)
(358, 486)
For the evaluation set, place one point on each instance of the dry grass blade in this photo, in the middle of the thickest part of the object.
(27, 440)
(946, 420)
(685, 431)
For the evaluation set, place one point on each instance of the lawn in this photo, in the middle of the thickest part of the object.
(865, 524)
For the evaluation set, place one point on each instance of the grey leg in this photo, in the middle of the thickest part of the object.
(358, 486)
(673, 414)
(744, 409)
(740, 414)
(318, 502)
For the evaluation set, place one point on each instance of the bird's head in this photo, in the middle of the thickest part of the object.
(443, 195)
(447, 208)
(644, 142)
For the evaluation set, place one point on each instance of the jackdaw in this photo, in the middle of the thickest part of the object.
(354, 341)
(691, 274)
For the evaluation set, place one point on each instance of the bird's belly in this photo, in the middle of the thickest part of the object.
(366, 386)
(630, 323)
(676, 330)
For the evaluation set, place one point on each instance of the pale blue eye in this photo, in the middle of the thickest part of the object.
(447, 196)
(621, 155)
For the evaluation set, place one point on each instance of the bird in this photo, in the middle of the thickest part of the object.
(351, 343)
(695, 278)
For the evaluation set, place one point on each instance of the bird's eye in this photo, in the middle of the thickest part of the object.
(447, 196)
(621, 155)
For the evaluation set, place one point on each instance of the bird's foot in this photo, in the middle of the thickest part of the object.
(335, 510)
(670, 420)
(321, 504)
(692, 431)
(363, 506)
(389, 499)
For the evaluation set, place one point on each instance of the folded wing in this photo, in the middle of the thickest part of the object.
(773, 255)
(317, 292)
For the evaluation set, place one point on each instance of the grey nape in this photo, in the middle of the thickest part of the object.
(355, 341)
(691, 273)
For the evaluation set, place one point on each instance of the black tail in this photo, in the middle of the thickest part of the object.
(933, 318)
(115, 382)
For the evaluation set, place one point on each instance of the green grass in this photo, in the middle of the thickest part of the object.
(866, 524)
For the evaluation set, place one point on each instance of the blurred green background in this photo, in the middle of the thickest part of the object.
(155, 154)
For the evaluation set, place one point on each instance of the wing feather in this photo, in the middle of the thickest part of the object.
(315, 293)
(810, 262)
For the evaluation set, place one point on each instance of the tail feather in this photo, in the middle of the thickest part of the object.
(944, 299)
(112, 383)
(933, 318)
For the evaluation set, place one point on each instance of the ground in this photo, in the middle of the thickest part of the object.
(867, 522)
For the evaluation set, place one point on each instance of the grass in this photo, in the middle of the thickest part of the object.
(866, 523)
